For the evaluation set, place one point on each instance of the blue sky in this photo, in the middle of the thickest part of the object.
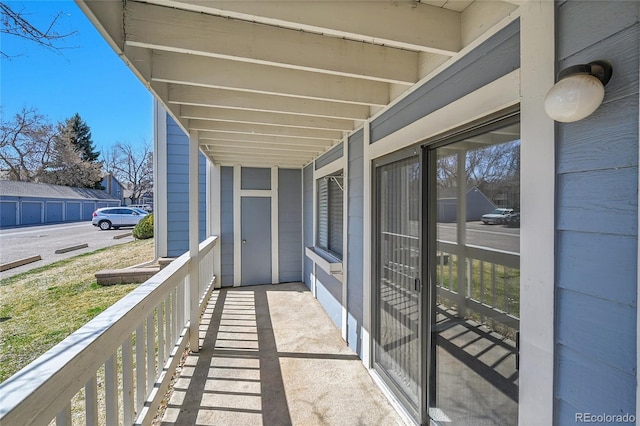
(88, 78)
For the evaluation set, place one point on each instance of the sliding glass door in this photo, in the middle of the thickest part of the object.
(448, 214)
(474, 266)
(397, 298)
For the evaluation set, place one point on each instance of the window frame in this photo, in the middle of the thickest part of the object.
(330, 214)
(331, 263)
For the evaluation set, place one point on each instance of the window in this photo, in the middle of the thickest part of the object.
(330, 199)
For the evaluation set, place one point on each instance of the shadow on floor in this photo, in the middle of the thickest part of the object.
(271, 356)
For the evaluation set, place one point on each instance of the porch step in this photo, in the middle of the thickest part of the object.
(164, 261)
(125, 276)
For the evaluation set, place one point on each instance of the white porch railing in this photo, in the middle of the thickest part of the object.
(488, 285)
(131, 349)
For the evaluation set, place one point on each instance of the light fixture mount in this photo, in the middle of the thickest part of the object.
(602, 70)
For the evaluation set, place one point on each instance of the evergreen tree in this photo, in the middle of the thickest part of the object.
(79, 134)
(76, 132)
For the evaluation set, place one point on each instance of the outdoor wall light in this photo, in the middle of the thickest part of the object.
(578, 92)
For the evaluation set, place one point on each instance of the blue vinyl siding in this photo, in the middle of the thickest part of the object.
(290, 225)
(112, 187)
(255, 178)
(493, 59)
(226, 226)
(307, 220)
(178, 191)
(597, 219)
(329, 294)
(330, 156)
(355, 249)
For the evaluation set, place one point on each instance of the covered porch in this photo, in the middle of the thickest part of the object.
(332, 143)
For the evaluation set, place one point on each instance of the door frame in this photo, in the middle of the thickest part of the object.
(238, 193)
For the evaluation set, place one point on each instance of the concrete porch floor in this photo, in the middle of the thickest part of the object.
(270, 355)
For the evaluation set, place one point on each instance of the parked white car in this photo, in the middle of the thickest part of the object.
(496, 217)
(145, 207)
(116, 217)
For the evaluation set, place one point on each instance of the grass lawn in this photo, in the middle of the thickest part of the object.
(39, 308)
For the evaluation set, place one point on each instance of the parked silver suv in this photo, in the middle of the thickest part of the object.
(496, 217)
(115, 217)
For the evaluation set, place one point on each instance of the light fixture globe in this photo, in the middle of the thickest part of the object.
(578, 92)
(574, 98)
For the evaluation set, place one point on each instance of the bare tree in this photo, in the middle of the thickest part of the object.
(14, 23)
(26, 143)
(494, 169)
(67, 166)
(32, 149)
(132, 166)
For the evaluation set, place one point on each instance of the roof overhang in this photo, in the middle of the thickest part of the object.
(276, 83)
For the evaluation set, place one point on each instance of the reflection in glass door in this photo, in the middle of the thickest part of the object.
(397, 354)
(475, 278)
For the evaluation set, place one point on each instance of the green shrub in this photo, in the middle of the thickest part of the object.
(144, 228)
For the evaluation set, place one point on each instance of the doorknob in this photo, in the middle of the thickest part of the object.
(244, 241)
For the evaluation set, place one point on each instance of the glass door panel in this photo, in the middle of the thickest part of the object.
(397, 355)
(475, 279)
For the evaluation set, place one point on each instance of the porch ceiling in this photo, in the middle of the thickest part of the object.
(276, 83)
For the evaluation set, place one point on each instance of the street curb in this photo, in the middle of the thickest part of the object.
(117, 237)
(67, 249)
(19, 262)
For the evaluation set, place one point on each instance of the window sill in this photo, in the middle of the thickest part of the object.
(331, 264)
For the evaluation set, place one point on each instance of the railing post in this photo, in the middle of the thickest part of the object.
(194, 222)
(461, 214)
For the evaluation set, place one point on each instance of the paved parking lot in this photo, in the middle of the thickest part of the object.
(44, 240)
(496, 237)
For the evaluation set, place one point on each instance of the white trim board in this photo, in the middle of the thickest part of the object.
(537, 231)
(237, 226)
(326, 262)
(238, 193)
(275, 236)
(194, 241)
(160, 185)
(368, 250)
(256, 192)
(345, 238)
(214, 210)
(327, 169)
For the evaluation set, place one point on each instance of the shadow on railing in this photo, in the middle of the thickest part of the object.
(116, 368)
